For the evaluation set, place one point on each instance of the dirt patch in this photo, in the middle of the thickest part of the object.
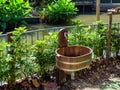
(101, 73)
(98, 77)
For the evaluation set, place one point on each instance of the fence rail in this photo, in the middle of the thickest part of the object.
(40, 33)
(33, 35)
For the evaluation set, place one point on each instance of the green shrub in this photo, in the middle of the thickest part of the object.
(115, 39)
(60, 11)
(18, 62)
(95, 39)
(100, 39)
(4, 67)
(44, 53)
(23, 60)
(11, 14)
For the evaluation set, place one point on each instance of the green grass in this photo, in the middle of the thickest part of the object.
(113, 85)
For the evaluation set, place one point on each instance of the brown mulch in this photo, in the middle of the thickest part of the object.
(100, 73)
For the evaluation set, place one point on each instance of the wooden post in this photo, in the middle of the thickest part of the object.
(98, 10)
(111, 12)
(62, 38)
(109, 35)
(63, 42)
(9, 37)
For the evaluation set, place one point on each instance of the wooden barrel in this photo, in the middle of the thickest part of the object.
(73, 58)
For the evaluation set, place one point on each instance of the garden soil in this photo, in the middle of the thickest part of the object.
(101, 73)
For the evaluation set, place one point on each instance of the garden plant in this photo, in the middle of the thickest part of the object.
(96, 39)
(17, 63)
(12, 13)
(44, 53)
(115, 40)
(59, 11)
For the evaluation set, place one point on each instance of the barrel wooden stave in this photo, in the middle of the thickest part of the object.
(73, 58)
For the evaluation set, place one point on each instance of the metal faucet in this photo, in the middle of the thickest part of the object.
(65, 35)
(63, 38)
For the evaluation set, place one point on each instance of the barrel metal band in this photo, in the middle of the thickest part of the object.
(74, 62)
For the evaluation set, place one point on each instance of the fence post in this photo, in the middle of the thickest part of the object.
(9, 39)
(109, 35)
(63, 42)
(9, 35)
(98, 10)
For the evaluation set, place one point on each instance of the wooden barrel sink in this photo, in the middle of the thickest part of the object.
(73, 58)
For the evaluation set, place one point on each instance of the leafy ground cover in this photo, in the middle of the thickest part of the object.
(103, 75)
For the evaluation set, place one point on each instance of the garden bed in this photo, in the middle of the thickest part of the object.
(102, 74)
(98, 77)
